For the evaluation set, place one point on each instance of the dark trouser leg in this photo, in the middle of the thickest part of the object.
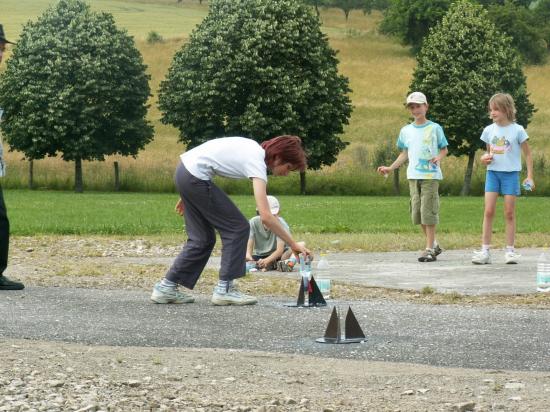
(4, 234)
(234, 231)
(208, 208)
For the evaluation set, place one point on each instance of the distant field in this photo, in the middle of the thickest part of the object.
(378, 67)
(168, 18)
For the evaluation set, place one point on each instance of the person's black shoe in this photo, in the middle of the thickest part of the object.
(6, 284)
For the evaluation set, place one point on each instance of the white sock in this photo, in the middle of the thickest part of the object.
(225, 284)
(168, 283)
(485, 248)
(510, 249)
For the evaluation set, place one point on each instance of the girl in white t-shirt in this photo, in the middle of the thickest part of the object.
(207, 209)
(505, 140)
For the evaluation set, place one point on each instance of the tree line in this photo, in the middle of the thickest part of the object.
(76, 85)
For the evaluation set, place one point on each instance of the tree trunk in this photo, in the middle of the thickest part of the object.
(396, 189)
(317, 10)
(31, 174)
(467, 186)
(346, 12)
(117, 178)
(303, 183)
(78, 186)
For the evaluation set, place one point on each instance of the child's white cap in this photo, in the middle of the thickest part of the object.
(273, 204)
(416, 97)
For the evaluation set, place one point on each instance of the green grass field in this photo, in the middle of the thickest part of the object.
(320, 219)
(378, 67)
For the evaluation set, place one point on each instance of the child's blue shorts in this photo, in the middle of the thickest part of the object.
(505, 183)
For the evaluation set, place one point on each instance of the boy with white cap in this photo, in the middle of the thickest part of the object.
(423, 143)
(264, 247)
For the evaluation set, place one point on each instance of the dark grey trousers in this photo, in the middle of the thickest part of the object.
(207, 209)
(4, 234)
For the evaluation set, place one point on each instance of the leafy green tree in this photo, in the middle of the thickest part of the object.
(463, 62)
(347, 5)
(315, 3)
(75, 85)
(541, 11)
(371, 5)
(520, 24)
(410, 20)
(258, 68)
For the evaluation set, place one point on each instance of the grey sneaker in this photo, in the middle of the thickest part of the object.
(232, 297)
(163, 294)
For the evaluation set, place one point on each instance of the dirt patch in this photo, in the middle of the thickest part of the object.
(57, 376)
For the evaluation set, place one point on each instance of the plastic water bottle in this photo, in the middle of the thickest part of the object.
(543, 273)
(305, 272)
(323, 276)
(528, 185)
(251, 266)
(323, 264)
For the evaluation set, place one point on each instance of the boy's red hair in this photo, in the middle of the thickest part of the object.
(288, 149)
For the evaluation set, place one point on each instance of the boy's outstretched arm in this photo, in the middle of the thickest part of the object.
(402, 158)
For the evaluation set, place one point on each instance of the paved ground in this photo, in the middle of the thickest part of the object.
(453, 271)
(457, 336)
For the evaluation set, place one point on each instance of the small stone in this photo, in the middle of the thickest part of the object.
(290, 401)
(514, 385)
(89, 408)
(133, 383)
(464, 407)
(230, 379)
(423, 390)
(29, 249)
(54, 383)
(514, 398)
(408, 392)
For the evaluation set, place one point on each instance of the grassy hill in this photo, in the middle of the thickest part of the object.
(378, 67)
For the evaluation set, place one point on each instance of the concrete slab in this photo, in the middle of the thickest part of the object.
(452, 272)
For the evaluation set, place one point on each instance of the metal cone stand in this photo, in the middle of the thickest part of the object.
(315, 297)
(352, 331)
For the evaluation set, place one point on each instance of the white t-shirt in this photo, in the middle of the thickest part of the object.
(422, 143)
(505, 143)
(233, 157)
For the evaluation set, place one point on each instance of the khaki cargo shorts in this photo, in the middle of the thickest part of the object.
(424, 201)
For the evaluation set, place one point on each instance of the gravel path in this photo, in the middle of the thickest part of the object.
(454, 336)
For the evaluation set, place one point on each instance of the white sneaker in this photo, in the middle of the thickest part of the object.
(232, 297)
(511, 257)
(481, 257)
